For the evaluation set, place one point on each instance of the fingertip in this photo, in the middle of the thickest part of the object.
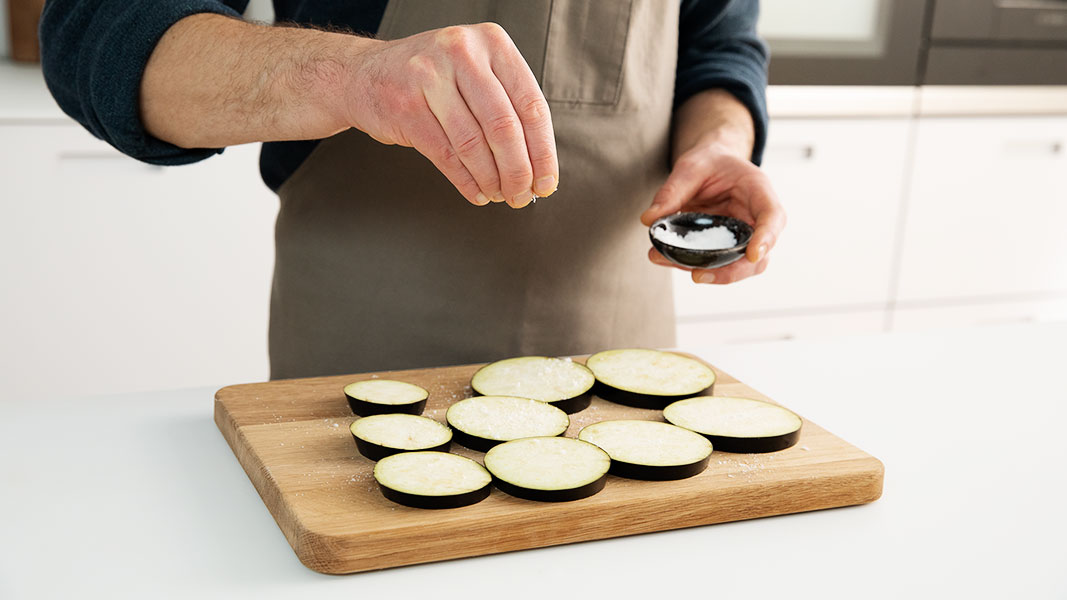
(701, 276)
(658, 259)
(545, 186)
(757, 249)
(649, 216)
(521, 200)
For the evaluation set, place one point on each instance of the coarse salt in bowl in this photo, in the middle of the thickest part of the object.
(699, 240)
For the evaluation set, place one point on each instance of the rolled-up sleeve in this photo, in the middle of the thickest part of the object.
(718, 48)
(94, 53)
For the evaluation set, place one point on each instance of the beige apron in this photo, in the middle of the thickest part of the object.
(381, 264)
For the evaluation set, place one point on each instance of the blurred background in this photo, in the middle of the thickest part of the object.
(920, 148)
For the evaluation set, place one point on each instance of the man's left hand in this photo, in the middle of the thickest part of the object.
(712, 179)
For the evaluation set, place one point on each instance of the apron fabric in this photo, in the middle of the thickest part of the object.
(381, 264)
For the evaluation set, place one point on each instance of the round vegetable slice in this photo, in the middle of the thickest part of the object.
(740, 425)
(648, 378)
(482, 422)
(381, 396)
(560, 382)
(432, 479)
(649, 449)
(378, 436)
(548, 469)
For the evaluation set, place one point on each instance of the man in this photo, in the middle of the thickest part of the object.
(378, 264)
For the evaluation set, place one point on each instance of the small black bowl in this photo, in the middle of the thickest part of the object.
(682, 223)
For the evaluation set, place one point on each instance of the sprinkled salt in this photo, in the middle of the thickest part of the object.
(712, 238)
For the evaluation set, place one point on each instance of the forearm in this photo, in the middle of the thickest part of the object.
(713, 117)
(463, 96)
(215, 81)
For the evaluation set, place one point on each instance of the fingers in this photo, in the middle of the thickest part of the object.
(659, 259)
(529, 103)
(690, 175)
(465, 136)
(731, 273)
(770, 221)
(494, 115)
(430, 139)
(503, 131)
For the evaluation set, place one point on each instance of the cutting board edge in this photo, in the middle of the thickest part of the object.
(259, 476)
(333, 554)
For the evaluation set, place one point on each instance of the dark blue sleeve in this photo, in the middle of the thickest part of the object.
(94, 53)
(718, 48)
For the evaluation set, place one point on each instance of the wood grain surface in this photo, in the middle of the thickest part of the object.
(292, 439)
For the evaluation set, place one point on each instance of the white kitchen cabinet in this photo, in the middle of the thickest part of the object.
(987, 208)
(951, 316)
(777, 328)
(120, 276)
(841, 184)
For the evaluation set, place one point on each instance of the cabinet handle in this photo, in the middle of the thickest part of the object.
(785, 337)
(1009, 320)
(1032, 147)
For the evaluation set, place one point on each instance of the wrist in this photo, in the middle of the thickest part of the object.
(723, 142)
(714, 120)
(330, 77)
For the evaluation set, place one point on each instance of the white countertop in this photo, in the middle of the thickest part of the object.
(139, 496)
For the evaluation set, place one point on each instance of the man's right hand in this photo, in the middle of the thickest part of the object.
(462, 96)
(465, 98)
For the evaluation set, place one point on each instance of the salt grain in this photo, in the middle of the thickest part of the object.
(712, 238)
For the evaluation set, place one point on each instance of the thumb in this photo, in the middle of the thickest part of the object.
(682, 184)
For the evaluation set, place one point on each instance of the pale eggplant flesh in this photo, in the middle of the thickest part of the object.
(561, 382)
(649, 450)
(548, 469)
(482, 422)
(385, 396)
(377, 452)
(737, 425)
(432, 480)
(378, 436)
(645, 378)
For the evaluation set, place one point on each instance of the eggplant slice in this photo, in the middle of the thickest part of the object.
(378, 436)
(432, 479)
(740, 425)
(482, 422)
(382, 396)
(560, 382)
(649, 449)
(648, 378)
(548, 469)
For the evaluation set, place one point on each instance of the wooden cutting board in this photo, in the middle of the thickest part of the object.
(292, 438)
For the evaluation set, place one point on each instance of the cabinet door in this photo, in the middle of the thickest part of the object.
(988, 209)
(841, 184)
(694, 334)
(119, 276)
(980, 315)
